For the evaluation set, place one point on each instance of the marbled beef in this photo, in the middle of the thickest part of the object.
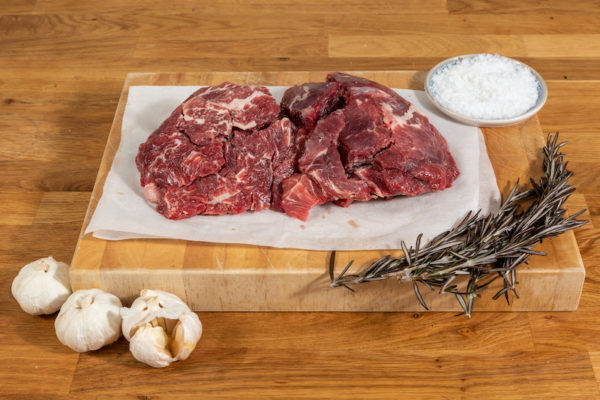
(211, 156)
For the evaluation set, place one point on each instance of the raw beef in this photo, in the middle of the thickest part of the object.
(350, 83)
(169, 158)
(210, 156)
(249, 106)
(383, 143)
(204, 121)
(228, 149)
(309, 102)
(323, 176)
(243, 184)
(285, 157)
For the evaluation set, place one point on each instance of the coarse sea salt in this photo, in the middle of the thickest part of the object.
(485, 86)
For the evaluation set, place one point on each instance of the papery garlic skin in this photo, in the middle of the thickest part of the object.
(149, 345)
(41, 287)
(89, 319)
(161, 328)
(187, 333)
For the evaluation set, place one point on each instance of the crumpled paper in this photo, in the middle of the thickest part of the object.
(123, 212)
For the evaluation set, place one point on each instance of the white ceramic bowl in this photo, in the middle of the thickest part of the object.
(542, 96)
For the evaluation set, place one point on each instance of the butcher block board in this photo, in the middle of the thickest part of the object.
(235, 277)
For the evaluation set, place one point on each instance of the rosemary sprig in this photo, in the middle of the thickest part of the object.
(483, 248)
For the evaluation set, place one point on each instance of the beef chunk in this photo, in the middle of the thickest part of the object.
(300, 194)
(209, 156)
(384, 143)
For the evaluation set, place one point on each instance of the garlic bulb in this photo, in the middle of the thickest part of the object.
(42, 286)
(89, 320)
(160, 328)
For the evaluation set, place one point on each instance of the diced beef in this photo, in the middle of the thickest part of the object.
(365, 132)
(322, 162)
(350, 85)
(416, 160)
(204, 121)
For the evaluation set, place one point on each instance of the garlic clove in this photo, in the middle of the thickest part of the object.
(41, 287)
(150, 345)
(89, 320)
(186, 335)
(162, 322)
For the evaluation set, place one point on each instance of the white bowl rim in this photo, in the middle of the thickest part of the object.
(489, 122)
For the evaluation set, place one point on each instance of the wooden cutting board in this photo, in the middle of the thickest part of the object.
(234, 277)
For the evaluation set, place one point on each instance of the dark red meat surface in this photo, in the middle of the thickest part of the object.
(210, 156)
(322, 164)
(379, 146)
(169, 158)
(227, 149)
(249, 106)
(285, 157)
(307, 103)
(243, 184)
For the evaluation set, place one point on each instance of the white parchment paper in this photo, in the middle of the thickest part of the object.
(123, 212)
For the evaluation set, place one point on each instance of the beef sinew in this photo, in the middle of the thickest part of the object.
(227, 149)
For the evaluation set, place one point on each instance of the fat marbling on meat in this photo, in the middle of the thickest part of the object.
(210, 156)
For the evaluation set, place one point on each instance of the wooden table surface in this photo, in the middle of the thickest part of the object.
(62, 66)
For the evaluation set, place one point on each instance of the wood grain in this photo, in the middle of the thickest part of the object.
(240, 7)
(448, 45)
(63, 65)
(547, 7)
(389, 373)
